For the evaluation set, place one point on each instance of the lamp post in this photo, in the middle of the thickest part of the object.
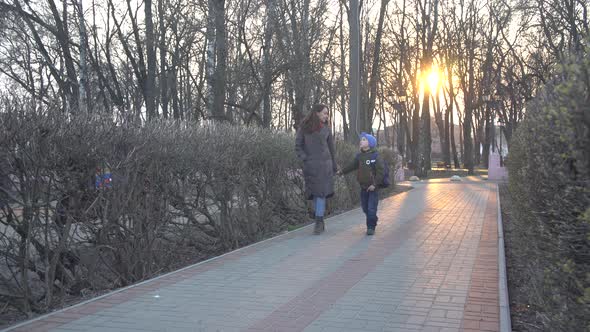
(500, 124)
(488, 131)
(493, 133)
(401, 106)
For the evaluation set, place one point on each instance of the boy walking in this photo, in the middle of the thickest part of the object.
(370, 172)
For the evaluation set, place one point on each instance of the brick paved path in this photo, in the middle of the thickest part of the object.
(432, 266)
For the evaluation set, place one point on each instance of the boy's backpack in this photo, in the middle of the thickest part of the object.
(386, 182)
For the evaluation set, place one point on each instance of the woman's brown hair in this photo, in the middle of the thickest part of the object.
(311, 122)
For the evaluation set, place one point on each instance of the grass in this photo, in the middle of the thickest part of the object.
(294, 227)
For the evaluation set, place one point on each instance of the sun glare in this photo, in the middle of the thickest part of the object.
(433, 80)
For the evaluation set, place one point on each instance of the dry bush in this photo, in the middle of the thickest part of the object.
(178, 194)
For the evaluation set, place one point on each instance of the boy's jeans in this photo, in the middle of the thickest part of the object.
(369, 202)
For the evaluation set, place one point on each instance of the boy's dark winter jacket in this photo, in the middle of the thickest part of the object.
(369, 171)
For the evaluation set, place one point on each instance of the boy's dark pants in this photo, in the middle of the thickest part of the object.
(369, 202)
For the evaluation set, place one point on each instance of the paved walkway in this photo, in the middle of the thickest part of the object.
(433, 265)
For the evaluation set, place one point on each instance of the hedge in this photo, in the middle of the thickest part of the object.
(549, 166)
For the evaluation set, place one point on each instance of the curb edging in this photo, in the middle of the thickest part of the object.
(505, 324)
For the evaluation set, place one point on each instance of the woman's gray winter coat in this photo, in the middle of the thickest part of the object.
(316, 150)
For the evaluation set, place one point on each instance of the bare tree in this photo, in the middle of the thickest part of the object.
(83, 49)
(267, 81)
(195, 62)
(467, 28)
(150, 83)
(218, 106)
(429, 23)
(355, 68)
(375, 68)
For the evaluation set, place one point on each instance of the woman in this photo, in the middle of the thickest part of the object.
(315, 147)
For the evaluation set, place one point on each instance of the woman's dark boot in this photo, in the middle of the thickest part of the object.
(319, 225)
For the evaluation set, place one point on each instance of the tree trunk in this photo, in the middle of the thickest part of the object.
(488, 139)
(415, 132)
(432, 31)
(354, 80)
(402, 131)
(477, 144)
(83, 84)
(150, 83)
(300, 74)
(470, 99)
(343, 107)
(408, 144)
(468, 141)
(440, 125)
(446, 148)
(174, 91)
(25, 258)
(453, 145)
(403, 138)
(62, 36)
(375, 68)
(267, 85)
(163, 66)
(461, 144)
(210, 58)
(425, 137)
(220, 65)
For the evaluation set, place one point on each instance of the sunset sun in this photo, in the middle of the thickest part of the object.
(433, 80)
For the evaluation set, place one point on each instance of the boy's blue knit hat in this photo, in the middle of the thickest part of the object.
(372, 140)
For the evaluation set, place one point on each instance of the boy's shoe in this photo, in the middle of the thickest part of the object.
(370, 231)
(319, 226)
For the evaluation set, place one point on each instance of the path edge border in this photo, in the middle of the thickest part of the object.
(505, 324)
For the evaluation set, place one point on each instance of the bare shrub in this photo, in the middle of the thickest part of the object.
(88, 205)
(177, 194)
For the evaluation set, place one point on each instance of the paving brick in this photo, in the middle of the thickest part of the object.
(449, 329)
(416, 320)
(437, 313)
(394, 327)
